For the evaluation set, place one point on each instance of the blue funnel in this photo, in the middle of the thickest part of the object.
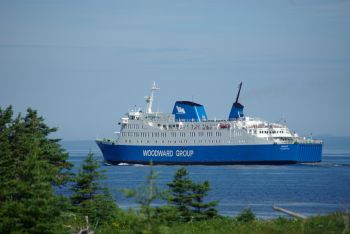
(189, 111)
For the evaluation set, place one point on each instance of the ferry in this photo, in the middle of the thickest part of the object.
(187, 137)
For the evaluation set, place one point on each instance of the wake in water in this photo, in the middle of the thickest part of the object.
(128, 164)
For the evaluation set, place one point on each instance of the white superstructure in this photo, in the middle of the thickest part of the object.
(158, 129)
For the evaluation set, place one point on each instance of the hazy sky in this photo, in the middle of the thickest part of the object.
(83, 64)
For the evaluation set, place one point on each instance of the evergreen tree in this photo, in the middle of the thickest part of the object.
(188, 197)
(246, 216)
(201, 209)
(30, 163)
(180, 196)
(89, 197)
(145, 195)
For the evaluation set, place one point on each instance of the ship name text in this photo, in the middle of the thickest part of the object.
(168, 153)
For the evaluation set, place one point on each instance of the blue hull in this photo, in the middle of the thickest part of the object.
(212, 155)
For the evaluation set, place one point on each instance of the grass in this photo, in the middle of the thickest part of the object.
(333, 223)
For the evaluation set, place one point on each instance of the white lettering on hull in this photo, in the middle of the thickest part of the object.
(184, 153)
(168, 153)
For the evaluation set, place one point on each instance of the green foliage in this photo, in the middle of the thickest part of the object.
(89, 198)
(333, 223)
(188, 197)
(246, 216)
(149, 218)
(180, 194)
(146, 194)
(30, 163)
(201, 209)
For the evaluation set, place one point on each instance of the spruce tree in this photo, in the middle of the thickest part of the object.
(201, 209)
(89, 197)
(30, 163)
(150, 219)
(180, 194)
(188, 197)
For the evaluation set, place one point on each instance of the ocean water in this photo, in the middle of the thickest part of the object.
(306, 189)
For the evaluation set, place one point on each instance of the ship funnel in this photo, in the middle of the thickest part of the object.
(189, 111)
(237, 108)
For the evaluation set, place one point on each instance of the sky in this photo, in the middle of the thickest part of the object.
(83, 64)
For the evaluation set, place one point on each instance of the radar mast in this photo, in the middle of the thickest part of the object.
(150, 98)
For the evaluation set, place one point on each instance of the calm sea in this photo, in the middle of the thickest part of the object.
(306, 189)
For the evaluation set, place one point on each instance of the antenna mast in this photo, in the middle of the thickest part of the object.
(149, 99)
